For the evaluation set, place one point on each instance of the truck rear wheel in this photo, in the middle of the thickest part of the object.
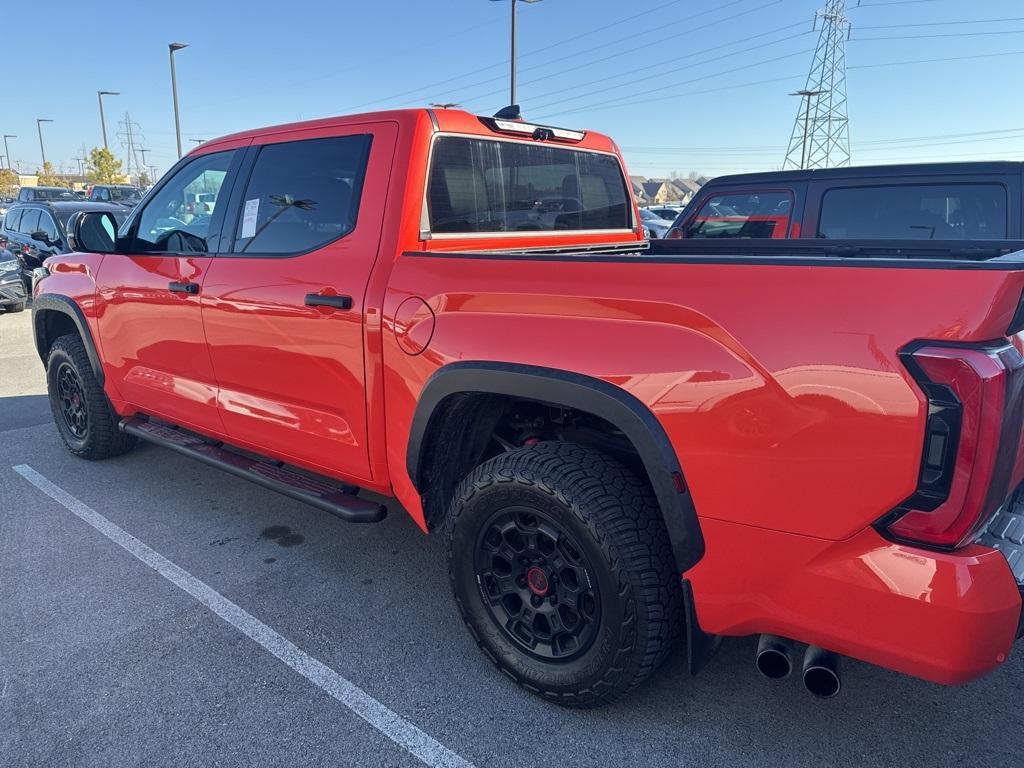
(563, 572)
(84, 418)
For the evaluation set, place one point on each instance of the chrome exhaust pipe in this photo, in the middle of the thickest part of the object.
(821, 672)
(773, 657)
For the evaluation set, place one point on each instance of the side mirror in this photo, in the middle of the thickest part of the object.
(92, 231)
(40, 236)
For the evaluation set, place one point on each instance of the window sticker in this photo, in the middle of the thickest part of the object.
(252, 209)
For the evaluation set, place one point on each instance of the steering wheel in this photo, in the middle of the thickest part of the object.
(180, 241)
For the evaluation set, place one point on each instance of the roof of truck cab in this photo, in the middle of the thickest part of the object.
(883, 171)
(445, 121)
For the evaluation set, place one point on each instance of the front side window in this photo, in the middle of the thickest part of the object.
(743, 214)
(302, 195)
(483, 185)
(48, 226)
(174, 220)
(915, 212)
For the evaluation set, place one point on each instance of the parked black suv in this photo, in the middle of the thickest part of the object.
(928, 201)
(38, 230)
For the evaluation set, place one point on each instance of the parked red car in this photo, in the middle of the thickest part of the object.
(623, 443)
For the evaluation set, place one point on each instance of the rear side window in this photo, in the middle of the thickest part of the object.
(915, 212)
(302, 195)
(29, 222)
(12, 219)
(481, 185)
(743, 214)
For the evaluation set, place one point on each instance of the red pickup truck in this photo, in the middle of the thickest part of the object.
(625, 444)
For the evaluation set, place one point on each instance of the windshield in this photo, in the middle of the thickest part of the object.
(42, 193)
(125, 194)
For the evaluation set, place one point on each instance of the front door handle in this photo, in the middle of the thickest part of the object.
(319, 300)
(192, 288)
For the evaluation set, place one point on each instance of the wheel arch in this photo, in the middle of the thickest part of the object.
(441, 394)
(54, 315)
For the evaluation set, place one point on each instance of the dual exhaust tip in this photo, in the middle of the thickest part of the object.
(774, 660)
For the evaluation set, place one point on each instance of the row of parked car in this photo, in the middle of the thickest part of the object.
(35, 226)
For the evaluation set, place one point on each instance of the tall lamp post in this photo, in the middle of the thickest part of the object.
(103, 121)
(39, 127)
(512, 86)
(806, 95)
(174, 92)
(7, 152)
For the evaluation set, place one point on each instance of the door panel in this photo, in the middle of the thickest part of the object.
(291, 375)
(153, 338)
(151, 324)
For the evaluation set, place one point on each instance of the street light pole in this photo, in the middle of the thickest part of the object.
(39, 127)
(512, 70)
(174, 92)
(806, 95)
(103, 121)
(7, 152)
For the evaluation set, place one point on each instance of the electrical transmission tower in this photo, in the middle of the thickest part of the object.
(821, 132)
(130, 137)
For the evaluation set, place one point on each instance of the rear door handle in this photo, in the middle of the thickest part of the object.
(319, 300)
(192, 288)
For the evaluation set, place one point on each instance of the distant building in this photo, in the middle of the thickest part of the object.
(661, 191)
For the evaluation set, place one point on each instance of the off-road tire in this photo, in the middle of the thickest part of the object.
(100, 438)
(615, 521)
(12, 308)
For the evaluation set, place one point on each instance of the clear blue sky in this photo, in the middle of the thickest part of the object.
(671, 81)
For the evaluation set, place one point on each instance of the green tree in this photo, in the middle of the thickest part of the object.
(143, 179)
(8, 181)
(102, 167)
(48, 176)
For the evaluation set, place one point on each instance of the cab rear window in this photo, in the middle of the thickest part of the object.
(915, 212)
(484, 185)
(743, 214)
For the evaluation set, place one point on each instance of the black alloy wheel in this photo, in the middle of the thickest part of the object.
(537, 584)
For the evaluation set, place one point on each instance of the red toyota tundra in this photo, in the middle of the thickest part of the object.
(625, 444)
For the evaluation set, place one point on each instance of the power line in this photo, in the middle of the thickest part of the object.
(631, 52)
(942, 34)
(604, 105)
(630, 18)
(938, 23)
(633, 72)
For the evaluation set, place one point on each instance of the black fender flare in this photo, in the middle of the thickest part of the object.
(55, 302)
(585, 393)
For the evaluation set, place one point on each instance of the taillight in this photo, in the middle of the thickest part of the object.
(675, 233)
(972, 439)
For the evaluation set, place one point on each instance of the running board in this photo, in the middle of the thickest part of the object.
(318, 492)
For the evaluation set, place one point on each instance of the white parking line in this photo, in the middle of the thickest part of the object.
(390, 723)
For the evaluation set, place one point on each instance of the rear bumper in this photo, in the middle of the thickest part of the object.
(944, 617)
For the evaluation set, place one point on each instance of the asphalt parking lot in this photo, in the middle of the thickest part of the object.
(105, 660)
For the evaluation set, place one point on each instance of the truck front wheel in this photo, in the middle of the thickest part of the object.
(562, 570)
(84, 418)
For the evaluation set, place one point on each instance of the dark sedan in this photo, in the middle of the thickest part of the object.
(36, 231)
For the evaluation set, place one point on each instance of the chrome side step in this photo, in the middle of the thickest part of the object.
(316, 491)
